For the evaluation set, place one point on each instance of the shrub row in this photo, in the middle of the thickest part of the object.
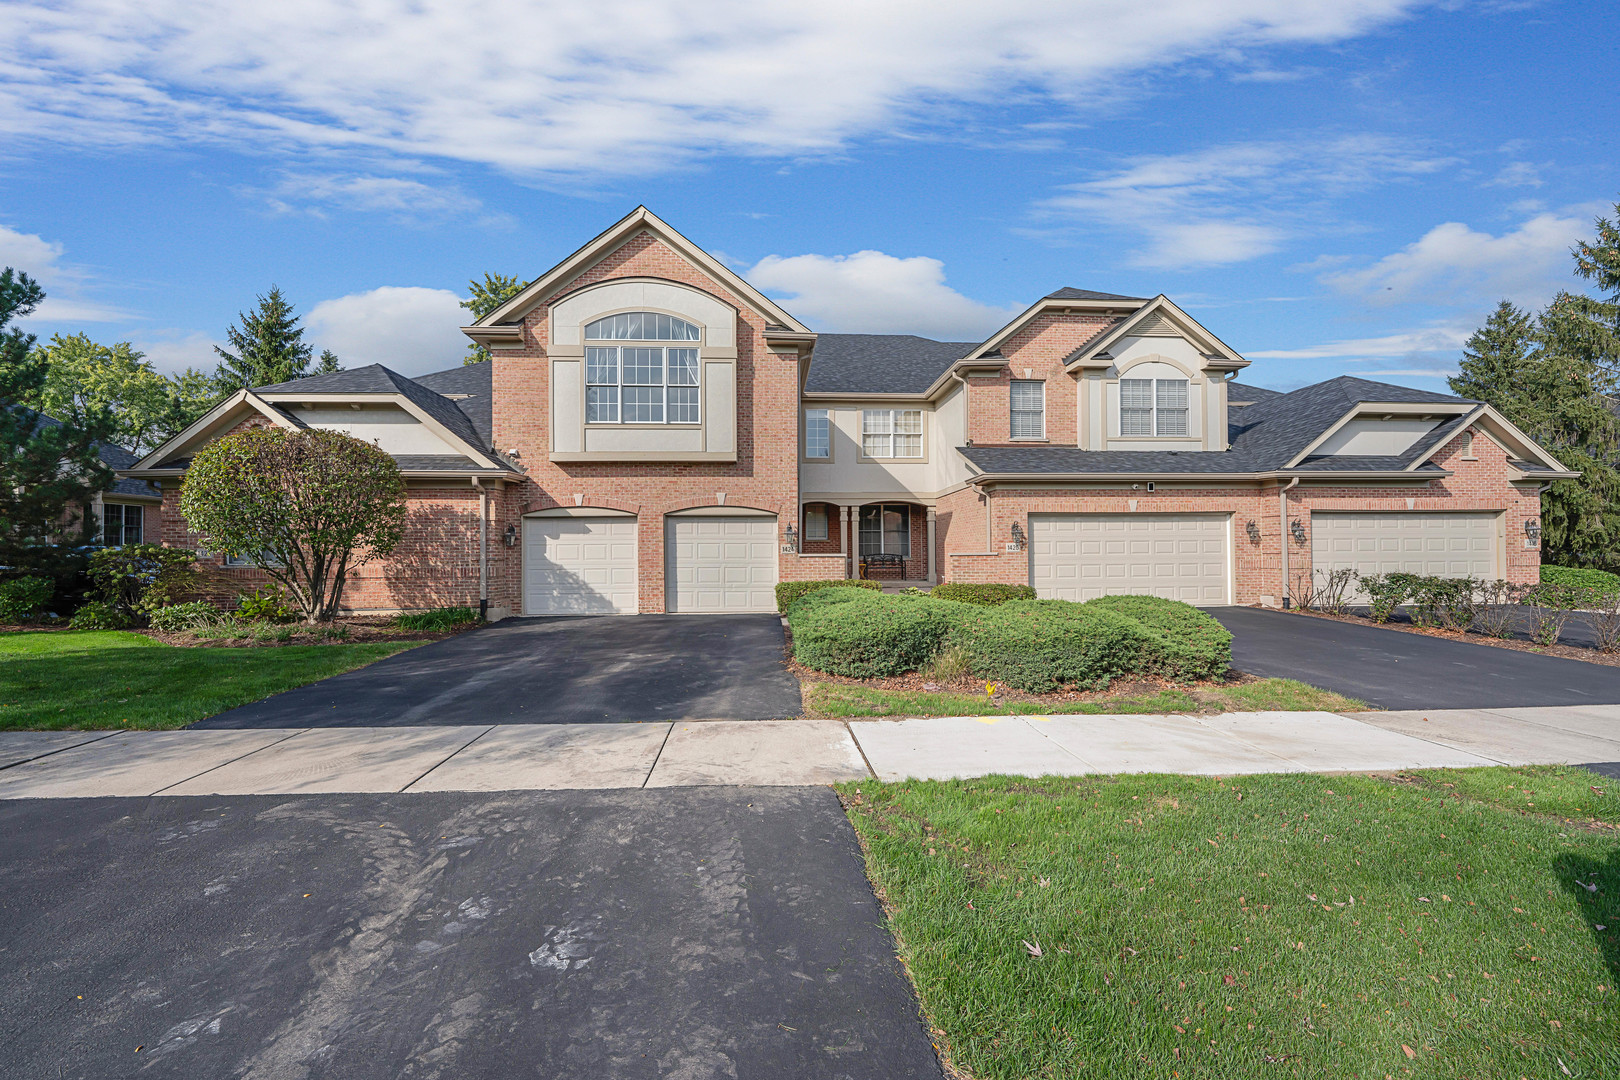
(789, 592)
(1600, 580)
(1033, 645)
(987, 594)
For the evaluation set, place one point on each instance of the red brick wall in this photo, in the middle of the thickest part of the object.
(764, 477)
(1039, 348)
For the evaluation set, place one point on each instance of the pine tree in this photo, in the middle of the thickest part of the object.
(327, 364)
(269, 347)
(1496, 358)
(486, 296)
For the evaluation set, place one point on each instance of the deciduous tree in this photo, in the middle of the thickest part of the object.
(484, 297)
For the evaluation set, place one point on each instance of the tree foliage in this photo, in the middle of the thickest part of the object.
(1554, 375)
(83, 377)
(484, 297)
(49, 467)
(267, 347)
(309, 506)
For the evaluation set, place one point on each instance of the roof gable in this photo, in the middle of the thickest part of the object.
(1155, 318)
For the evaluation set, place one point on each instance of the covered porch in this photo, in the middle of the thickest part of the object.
(892, 541)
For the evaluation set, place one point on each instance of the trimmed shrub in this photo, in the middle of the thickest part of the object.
(265, 604)
(1452, 603)
(1044, 645)
(986, 595)
(1197, 646)
(21, 598)
(1600, 581)
(437, 620)
(1386, 592)
(186, 616)
(789, 592)
(867, 635)
(99, 615)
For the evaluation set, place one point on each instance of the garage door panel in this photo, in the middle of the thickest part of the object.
(579, 566)
(1179, 557)
(1435, 543)
(721, 564)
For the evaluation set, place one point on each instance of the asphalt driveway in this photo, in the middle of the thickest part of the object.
(696, 933)
(595, 669)
(1396, 670)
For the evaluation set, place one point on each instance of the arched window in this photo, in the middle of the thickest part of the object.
(641, 384)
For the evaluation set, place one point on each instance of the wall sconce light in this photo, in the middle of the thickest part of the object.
(1019, 539)
(1254, 532)
(509, 537)
(1532, 529)
(1297, 530)
(792, 536)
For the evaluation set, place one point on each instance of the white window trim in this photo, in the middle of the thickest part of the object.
(123, 511)
(827, 414)
(1153, 409)
(1026, 438)
(664, 345)
(891, 434)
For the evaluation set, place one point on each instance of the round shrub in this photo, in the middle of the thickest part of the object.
(185, 616)
(21, 598)
(1044, 645)
(986, 594)
(866, 635)
(99, 615)
(1600, 580)
(1196, 646)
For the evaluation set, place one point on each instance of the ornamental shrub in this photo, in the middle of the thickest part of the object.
(1602, 581)
(1044, 645)
(99, 615)
(863, 634)
(986, 594)
(1452, 603)
(21, 598)
(137, 578)
(438, 619)
(264, 604)
(1385, 592)
(187, 616)
(1196, 645)
(789, 592)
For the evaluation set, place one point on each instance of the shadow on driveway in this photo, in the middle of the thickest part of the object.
(593, 669)
(1397, 670)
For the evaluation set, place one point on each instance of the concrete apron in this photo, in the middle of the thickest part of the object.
(515, 757)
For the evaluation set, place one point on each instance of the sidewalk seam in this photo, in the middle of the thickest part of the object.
(660, 755)
(61, 750)
(450, 755)
(1435, 742)
(849, 729)
(222, 764)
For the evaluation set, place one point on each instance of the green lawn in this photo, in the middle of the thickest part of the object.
(843, 700)
(1437, 925)
(112, 679)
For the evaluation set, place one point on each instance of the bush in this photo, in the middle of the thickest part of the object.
(789, 592)
(186, 616)
(143, 577)
(1197, 646)
(439, 619)
(866, 635)
(21, 598)
(1044, 645)
(1452, 603)
(1601, 581)
(66, 568)
(1386, 592)
(985, 595)
(265, 604)
(99, 615)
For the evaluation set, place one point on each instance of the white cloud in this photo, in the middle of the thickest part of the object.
(408, 328)
(1228, 204)
(1428, 339)
(873, 293)
(401, 198)
(173, 351)
(1517, 174)
(1454, 264)
(617, 86)
(62, 281)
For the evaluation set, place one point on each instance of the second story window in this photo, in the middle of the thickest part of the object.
(1028, 401)
(817, 433)
(1153, 407)
(641, 383)
(891, 433)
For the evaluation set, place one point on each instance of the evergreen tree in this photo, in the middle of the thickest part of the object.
(269, 347)
(328, 363)
(1496, 359)
(49, 467)
(486, 296)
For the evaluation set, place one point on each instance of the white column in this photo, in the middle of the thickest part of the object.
(843, 537)
(930, 564)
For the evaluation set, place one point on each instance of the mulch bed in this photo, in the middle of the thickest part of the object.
(1567, 652)
(360, 629)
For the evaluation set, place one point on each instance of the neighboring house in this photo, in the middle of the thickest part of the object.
(129, 511)
(653, 434)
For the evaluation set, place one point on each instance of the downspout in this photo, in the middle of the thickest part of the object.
(483, 549)
(1282, 507)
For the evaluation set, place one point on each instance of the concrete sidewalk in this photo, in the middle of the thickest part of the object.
(514, 757)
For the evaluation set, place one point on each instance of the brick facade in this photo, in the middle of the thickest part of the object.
(1035, 352)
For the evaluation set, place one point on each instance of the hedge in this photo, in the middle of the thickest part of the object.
(1043, 645)
(867, 635)
(987, 594)
(1599, 580)
(1198, 646)
(789, 592)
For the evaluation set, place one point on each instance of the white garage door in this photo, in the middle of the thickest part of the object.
(720, 563)
(1176, 556)
(579, 566)
(1440, 545)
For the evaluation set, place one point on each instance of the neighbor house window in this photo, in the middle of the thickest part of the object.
(120, 524)
(264, 558)
(1028, 409)
(641, 384)
(817, 433)
(815, 523)
(891, 433)
(886, 530)
(1153, 406)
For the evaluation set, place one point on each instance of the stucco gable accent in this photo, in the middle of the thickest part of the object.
(1159, 317)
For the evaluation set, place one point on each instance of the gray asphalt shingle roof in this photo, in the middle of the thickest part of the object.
(473, 380)
(1087, 294)
(114, 457)
(880, 363)
(1243, 394)
(377, 379)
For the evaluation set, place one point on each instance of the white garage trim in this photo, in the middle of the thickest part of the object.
(1438, 543)
(1185, 557)
(720, 562)
(580, 565)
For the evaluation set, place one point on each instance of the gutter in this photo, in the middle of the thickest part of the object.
(1182, 477)
(1282, 506)
(483, 549)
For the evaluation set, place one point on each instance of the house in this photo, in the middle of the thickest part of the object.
(126, 513)
(655, 435)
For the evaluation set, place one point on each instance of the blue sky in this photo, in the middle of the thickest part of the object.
(1332, 186)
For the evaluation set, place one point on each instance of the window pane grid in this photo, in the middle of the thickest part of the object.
(638, 384)
(895, 433)
(817, 433)
(641, 326)
(1154, 407)
(885, 530)
(815, 523)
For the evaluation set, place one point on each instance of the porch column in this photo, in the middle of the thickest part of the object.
(930, 563)
(843, 540)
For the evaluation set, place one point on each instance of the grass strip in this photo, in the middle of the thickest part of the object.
(846, 701)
